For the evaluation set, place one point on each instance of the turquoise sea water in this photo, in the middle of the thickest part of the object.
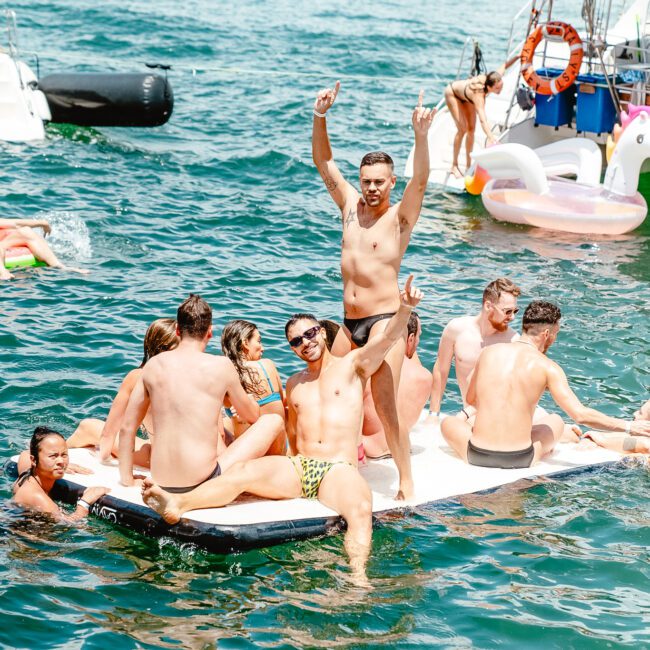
(224, 201)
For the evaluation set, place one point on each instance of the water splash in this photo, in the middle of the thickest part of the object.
(70, 237)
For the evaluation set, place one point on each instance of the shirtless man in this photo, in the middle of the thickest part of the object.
(505, 387)
(463, 339)
(185, 388)
(18, 232)
(375, 237)
(413, 393)
(325, 403)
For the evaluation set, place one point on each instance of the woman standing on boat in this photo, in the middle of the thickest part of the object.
(465, 98)
(241, 342)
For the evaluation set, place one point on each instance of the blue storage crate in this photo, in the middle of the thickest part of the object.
(554, 110)
(595, 109)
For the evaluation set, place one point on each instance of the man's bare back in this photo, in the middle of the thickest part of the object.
(506, 385)
(510, 379)
(184, 391)
(185, 414)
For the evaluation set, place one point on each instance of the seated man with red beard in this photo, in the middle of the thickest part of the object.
(463, 339)
(505, 387)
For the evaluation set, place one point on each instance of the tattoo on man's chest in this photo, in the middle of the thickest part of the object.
(351, 216)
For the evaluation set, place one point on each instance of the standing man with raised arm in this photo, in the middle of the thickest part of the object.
(375, 237)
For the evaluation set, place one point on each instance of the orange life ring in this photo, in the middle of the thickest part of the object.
(555, 31)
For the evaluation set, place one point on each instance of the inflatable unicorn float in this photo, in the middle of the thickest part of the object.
(522, 188)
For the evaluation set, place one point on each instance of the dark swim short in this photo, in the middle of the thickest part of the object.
(183, 490)
(500, 459)
(360, 327)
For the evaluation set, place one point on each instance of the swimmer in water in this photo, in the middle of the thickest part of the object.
(18, 232)
(48, 461)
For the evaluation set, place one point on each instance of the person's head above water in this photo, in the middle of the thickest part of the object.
(160, 337)
(376, 178)
(194, 318)
(48, 453)
(542, 319)
(306, 336)
(493, 82)
(500, 303)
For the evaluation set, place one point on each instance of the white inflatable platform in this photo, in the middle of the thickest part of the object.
(251, 522)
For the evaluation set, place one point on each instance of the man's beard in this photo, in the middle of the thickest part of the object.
(499, 326)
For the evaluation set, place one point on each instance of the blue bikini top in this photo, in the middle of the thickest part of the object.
(273, 397)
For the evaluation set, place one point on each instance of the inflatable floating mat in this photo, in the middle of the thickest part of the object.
(251, 522)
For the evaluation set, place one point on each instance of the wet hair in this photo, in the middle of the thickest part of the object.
(234, 335)
(539, 315)
(40, 433)
(491, 79)
(331, 330)
(377, 158)
(194, 317)
(295, 318)
(501, 285)
(412, 325)
(160, 337)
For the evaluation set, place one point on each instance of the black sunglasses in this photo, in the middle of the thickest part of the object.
(309, 334)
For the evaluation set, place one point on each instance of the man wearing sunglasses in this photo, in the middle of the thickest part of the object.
(325, 403)
(375, 237)
(505, 387)
(463, 339)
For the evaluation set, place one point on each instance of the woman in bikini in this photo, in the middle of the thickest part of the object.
(160, 337)
(241, 342)
(40, 468)
(465, 98)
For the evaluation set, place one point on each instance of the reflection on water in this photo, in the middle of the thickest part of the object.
(556, 560)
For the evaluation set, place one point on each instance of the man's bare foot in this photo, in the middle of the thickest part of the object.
(5, 275)
(455, 171)
(571, 433)
(160, 501)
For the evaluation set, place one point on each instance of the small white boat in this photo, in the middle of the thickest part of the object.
(23, 107)
(624, 70)
(85, 99)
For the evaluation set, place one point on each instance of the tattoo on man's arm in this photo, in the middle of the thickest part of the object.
(330, 183)
(352, 215)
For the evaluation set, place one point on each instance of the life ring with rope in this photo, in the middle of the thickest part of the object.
(554, 30)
